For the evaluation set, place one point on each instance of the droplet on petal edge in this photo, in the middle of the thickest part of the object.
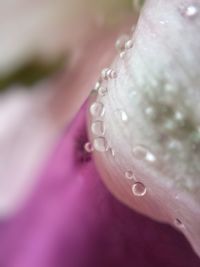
(102, 91)
(88, 147)
(97, 109)
(98, 128)
(139, 189)
(100, 144)
(121, 42)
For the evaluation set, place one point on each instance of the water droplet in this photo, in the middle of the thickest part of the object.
(129, 44)
(178, 223)
(111, 152)
(120, 43)
(142, 153)
(122, 54)
(190, 11)
(98, 128)
(139, 189)
(100, 144)
(102, 91)
(97, 109)
(97, 85)
(88, 147)
(129, 175)
(108, 73)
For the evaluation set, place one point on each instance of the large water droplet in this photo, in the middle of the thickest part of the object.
(97, 109)
(98, 128)
(190, 11)
(100, 144)
(88, 147)
(139, 189)
(140, 152)
(129, 175)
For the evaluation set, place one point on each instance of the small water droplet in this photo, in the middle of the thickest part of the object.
(100, 144)
(111, 152)
(140, 152)
(190, 11)
(97, 85)
(88, 147)
(139, 189)
(120, 43)
(108, 73)
(122, 54)
(102, 91)
(129, 175)
(129, 44)
(98, 128)
(97, 109)
(178, 223)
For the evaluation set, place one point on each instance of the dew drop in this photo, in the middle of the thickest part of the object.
(128, 44)
(102, 91)
(120, 43)
(129, 175)
(88, 147)
(100, 144)
(97, 85)
(142, 153)
(122, 54)
(97, 109)
(190, 11)
(98, 128)
(139, 189)
(108, 73)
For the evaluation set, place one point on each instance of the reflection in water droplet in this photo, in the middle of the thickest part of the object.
(129, 175)
(88, 147)
(190, 11)
(102, 91)
(97, 109)
(123, 115)
(142, 153)
(98, 128)
(139, 189)
(100, 144)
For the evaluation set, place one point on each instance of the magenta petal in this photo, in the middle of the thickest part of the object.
(73, 221)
